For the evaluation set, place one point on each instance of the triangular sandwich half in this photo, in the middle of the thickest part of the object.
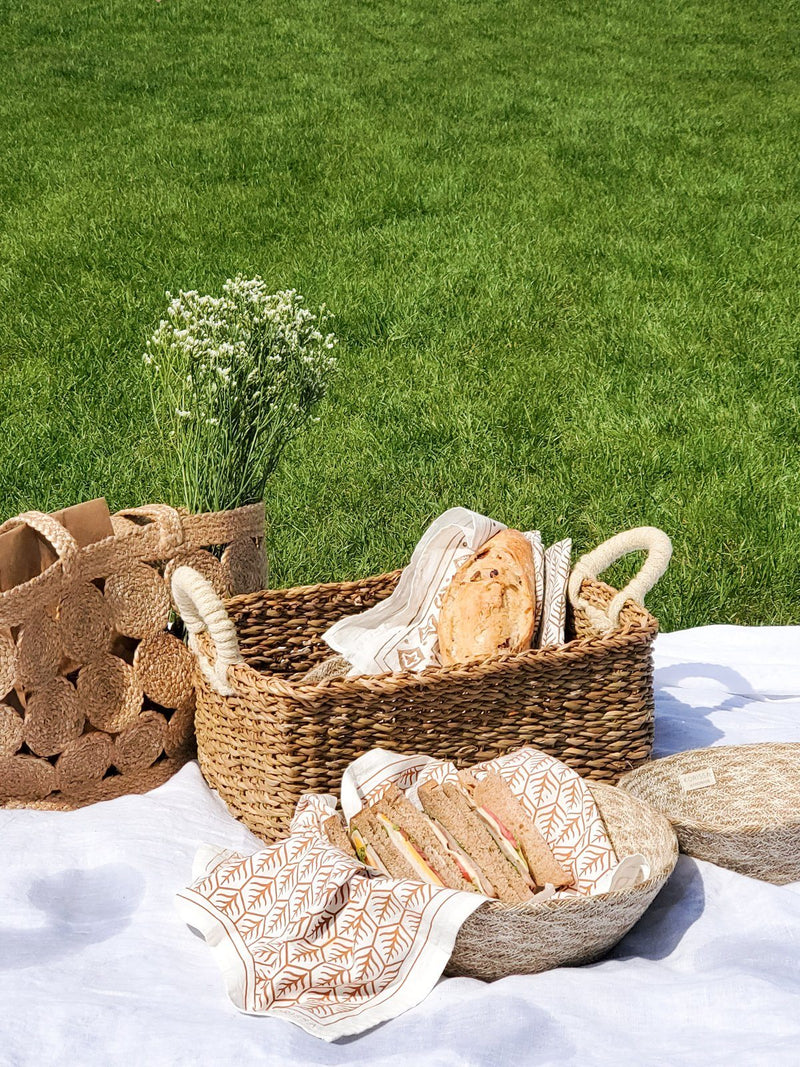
(452, 808)
(513, 829)
(336, 832)
(406, 842)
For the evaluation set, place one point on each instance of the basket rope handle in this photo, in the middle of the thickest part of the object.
(643, 538)
(58, 537)
(202, 611)
(167, 521)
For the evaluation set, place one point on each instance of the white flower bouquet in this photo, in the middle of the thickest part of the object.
(233, 380)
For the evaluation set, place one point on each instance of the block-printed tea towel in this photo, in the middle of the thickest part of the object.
(302, 931)
(400, 633)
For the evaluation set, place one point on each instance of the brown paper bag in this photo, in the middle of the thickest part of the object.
(24, 553)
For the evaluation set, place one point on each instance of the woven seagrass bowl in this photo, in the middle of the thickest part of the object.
(740, 807)
(499, 940)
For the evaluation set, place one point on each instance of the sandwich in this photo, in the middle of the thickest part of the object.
(473, 836)
(513, 831)
(336, 833)
(451, 809)
(406, 844)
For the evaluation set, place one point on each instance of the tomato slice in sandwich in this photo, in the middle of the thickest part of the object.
(506, 842)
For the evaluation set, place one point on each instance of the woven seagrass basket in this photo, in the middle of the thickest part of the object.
(265, 737)
(96, 693)
(735, 805)
(498, 939)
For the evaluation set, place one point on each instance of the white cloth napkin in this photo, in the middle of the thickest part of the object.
(401, 632)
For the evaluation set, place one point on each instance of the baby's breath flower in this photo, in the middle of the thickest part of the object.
(238, 378)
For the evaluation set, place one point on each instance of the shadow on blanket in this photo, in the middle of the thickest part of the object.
(681, 726)
(677, 907)
(81, 907)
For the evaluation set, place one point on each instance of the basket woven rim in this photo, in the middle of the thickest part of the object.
(637, 625)
(532, 906)
(720, 830)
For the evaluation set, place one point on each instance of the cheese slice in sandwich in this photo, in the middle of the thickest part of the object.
(450, 806)
(514, 831)
(408, 844)
(373, 847)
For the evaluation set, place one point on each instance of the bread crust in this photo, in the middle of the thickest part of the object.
(490, 605)
(336, 833)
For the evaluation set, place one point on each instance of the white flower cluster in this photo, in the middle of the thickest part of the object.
(238, 374)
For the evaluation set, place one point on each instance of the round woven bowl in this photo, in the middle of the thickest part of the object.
(498, 940)
(747, 818)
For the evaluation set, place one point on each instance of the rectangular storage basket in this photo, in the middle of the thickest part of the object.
(264, 737)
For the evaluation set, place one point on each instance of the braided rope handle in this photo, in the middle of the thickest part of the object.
(202, 611)
(643, 538)
(167, 521)
(58, 537)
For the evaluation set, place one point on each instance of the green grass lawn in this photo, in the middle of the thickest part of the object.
(560, 240)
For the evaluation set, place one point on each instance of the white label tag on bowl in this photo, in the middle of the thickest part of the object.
(697, 780)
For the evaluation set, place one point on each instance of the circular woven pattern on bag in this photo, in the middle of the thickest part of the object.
(86, 759)
(26, 777)
(110, 693)
(180, 730)
(164, 666)
(204, 563)
(8, 664)
(138, 600)
(243, 566)
(53, 717)
(38, 650)
(85, 622)
(11, 729)
(140, 745)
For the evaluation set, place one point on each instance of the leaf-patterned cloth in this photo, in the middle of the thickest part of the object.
(302, 931)
(556, 580)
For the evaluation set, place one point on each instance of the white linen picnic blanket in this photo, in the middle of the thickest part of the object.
(97, 968)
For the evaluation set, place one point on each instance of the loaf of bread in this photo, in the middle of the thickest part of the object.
(490, 605)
